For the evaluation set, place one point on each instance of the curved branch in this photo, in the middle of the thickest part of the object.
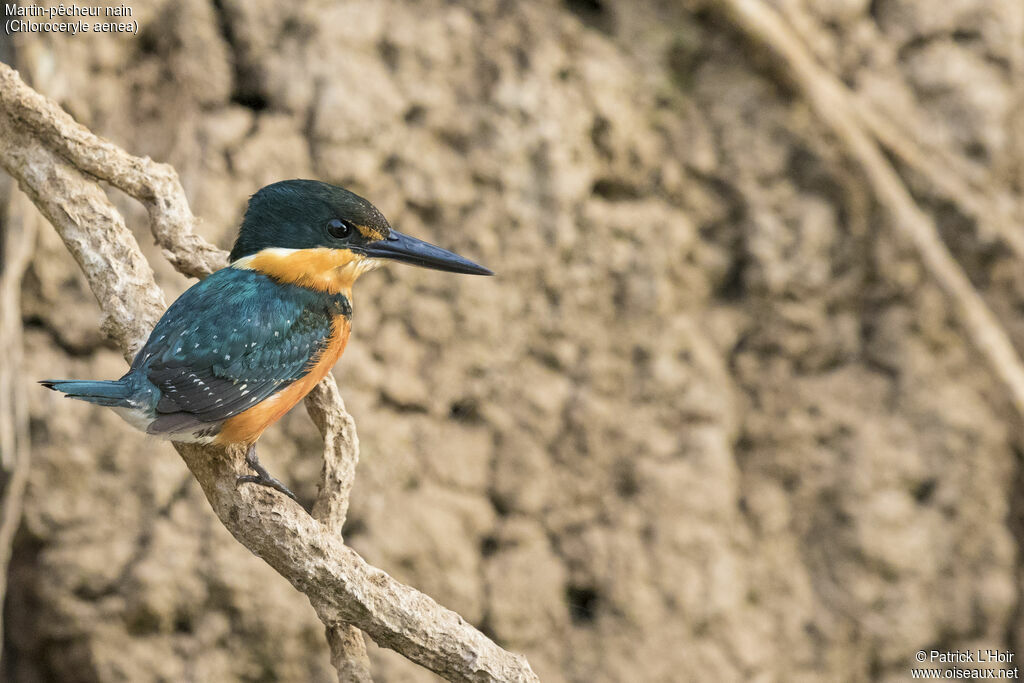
(155, 185)
(49, 154)
(341, 453)
(93, 231)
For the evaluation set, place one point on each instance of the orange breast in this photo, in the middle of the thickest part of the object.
(247, 427)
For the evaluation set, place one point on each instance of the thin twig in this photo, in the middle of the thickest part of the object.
(945, 174)
(833, 105)
(341, 453)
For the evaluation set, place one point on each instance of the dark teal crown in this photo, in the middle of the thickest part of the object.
(294, 214)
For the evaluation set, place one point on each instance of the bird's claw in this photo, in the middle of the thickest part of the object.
(262, 477)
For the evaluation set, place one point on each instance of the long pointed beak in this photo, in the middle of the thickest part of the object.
(400, 247)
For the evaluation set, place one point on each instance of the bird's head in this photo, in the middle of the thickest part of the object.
(322, 236)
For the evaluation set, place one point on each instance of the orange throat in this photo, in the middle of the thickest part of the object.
(321, 269)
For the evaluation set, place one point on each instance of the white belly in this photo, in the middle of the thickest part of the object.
(141, 421)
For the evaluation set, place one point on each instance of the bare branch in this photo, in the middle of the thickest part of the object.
(93, 231)
(155, 185)
(348, 654)
(834, 106)
(38, 144)
(341, 586)
(171, 221)
(341, 453)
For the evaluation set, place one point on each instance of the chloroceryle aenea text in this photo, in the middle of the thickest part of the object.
(237, 350)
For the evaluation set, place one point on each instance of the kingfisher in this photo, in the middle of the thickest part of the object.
(240, 348)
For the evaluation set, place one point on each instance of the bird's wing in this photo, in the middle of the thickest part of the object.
(237, 340)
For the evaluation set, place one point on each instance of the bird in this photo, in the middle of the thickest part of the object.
(237, 350)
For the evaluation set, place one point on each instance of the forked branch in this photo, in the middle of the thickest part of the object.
(58, 163)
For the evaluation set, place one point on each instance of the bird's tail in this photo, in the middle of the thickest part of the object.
(110, 393)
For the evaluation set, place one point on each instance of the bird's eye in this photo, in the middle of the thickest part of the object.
(338, 228)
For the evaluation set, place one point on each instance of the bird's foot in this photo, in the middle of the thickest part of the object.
(262, 477)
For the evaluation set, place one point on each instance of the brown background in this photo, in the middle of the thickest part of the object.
(711, 421)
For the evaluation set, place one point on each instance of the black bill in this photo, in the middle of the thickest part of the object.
(400, 247)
